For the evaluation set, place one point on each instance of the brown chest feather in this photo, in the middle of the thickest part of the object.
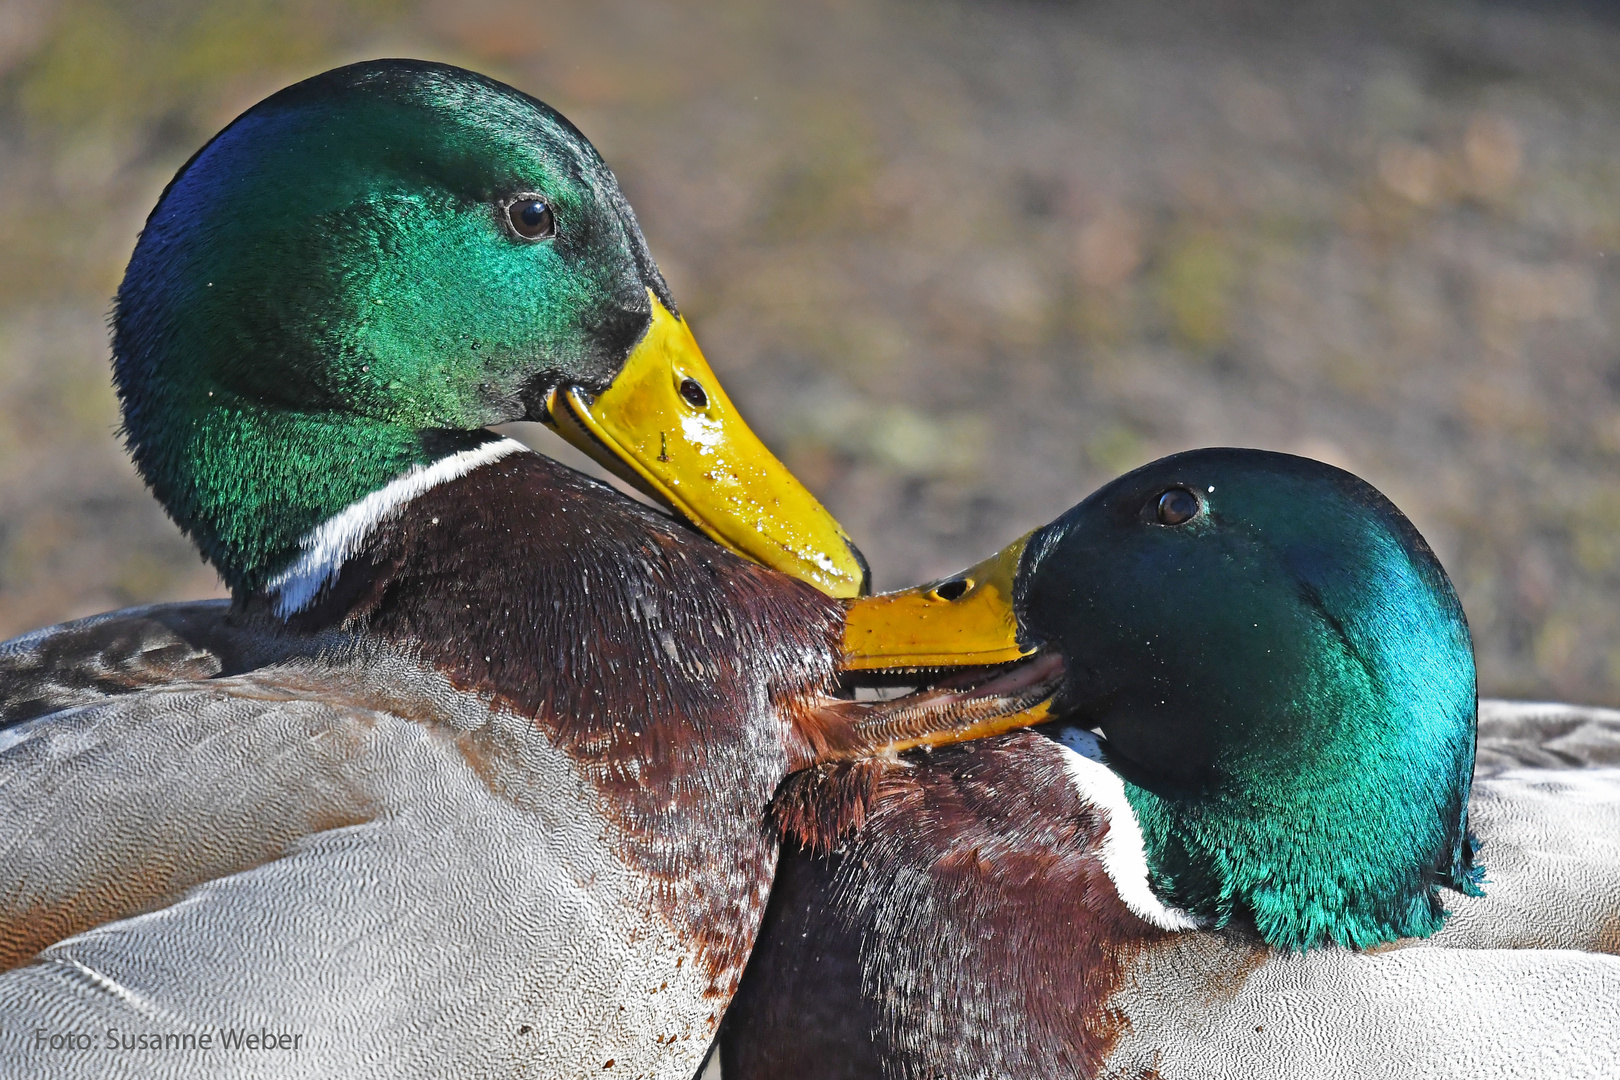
(666, 666)
(965, 927)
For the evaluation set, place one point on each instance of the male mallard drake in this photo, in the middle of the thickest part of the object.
(1234, 878)
(469, 779)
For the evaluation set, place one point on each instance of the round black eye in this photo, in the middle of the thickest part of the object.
(531, 219)
(1176, 506)
(692, 391)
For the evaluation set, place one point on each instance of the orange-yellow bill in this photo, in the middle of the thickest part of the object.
(665, 425)
(966, 619)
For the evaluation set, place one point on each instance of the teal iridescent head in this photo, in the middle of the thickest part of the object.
(364, 270)
(1279, 671)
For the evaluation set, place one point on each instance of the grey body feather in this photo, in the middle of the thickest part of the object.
(312, 849)
(347, 851)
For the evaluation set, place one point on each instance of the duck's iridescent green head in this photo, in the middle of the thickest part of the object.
(1283, 677)
(364, 270)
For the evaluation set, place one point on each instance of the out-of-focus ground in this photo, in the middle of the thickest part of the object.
(958, 261)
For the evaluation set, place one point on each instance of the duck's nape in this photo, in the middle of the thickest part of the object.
(1280, 671)
(344, 285)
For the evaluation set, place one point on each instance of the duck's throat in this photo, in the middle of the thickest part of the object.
(252, 486)
(1334, 872)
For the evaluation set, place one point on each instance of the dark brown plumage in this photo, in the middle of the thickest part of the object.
(952, 879)
(672, 670)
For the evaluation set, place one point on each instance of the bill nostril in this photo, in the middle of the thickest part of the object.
(692, 391)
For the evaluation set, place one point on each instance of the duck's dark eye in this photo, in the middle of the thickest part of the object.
(531, 219)
(1176, 506)
(692, 391)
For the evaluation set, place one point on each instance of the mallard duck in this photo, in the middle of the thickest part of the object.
(468, 779)
(1232, 851)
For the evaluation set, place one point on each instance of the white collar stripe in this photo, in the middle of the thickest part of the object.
(1123, 854)
(335, 541)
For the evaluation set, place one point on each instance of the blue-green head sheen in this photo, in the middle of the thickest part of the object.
(333, 287)
(1284, 679)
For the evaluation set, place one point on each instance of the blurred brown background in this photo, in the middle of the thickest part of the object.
(958, 261)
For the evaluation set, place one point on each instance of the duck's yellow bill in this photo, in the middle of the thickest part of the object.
(965, 620)
(665, 425)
